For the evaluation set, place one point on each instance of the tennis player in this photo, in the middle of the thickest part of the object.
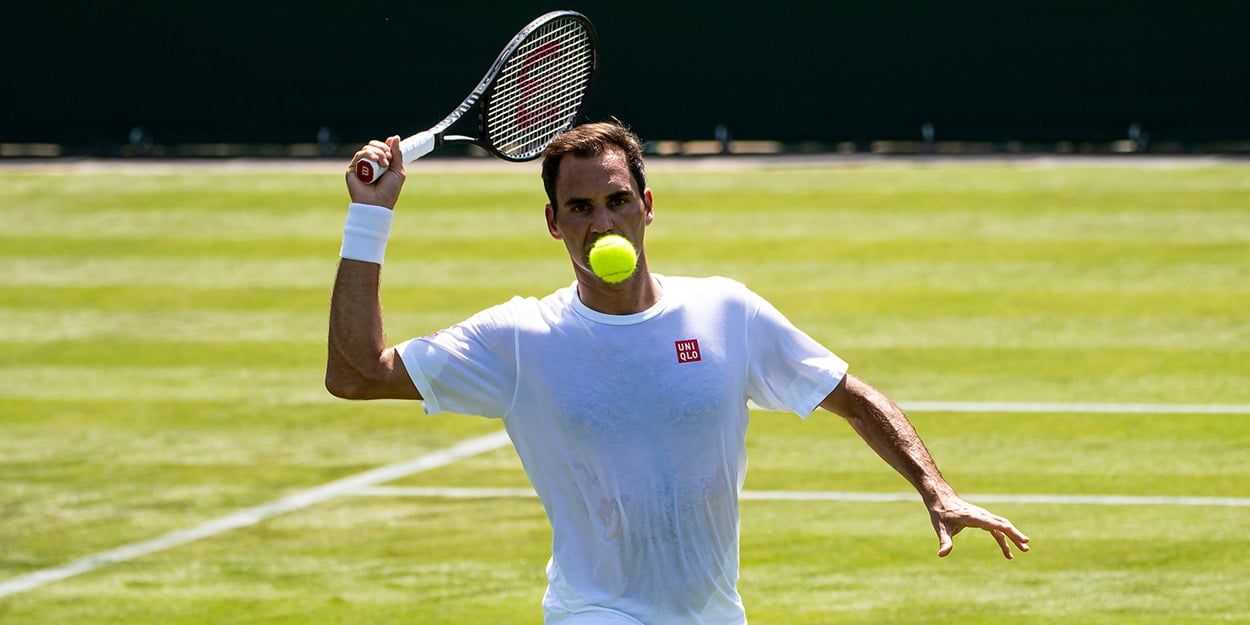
(627, 403)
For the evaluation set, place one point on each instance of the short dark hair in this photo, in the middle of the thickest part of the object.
(589, 141)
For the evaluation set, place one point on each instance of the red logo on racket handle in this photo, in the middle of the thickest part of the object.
(364, 171)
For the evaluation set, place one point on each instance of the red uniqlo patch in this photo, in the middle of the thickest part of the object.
(688, 351)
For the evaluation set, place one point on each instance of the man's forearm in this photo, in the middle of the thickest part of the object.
(886, 429)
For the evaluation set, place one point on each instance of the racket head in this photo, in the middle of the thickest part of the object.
(540, 87)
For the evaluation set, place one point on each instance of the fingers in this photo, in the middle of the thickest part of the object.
(377, 151)
(1006, 534)
(386, 188)
(1003, 544)
(950, 521)
(397, 165)
(945, 542)
(1021, 541)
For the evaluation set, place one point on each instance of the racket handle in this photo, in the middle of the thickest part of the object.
(411, 149)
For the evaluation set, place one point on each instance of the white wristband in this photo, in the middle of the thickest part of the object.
(366, 231)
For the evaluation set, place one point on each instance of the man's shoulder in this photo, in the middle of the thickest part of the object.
(700, 282)
(717, 287)
(529, 307)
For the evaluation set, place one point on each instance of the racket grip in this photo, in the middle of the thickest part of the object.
(411, 149)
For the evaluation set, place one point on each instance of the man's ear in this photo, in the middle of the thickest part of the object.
(551, 224)
(647, 202)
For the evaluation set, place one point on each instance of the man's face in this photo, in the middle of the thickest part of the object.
(597, 196)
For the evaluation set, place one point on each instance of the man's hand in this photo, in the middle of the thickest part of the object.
(887, 430)
(954, 514)
(384, 191)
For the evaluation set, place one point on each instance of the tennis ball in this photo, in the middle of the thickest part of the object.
(613, 258)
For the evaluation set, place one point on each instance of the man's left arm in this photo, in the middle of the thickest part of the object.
(886, 429)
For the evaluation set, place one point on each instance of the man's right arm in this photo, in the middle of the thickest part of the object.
(359, 364)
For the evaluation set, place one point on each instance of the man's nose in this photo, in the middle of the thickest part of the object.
(601, 220)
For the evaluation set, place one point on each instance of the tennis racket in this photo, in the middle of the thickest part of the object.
(534, 91)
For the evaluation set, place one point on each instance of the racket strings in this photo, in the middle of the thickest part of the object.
(550, 51)
(535, 126)
(557, 111)
(537, 101)
(540, 89)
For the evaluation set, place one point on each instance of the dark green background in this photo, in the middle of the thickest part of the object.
(83, 74)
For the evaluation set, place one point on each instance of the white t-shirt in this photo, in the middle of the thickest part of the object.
(632, 431)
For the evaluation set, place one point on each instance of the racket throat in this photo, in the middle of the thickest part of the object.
(442, 140)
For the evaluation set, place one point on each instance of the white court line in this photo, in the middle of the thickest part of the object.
(787, 495)
(361, 483)
(447, 492)
(1063, 408)
(251, 516)
(1069, 408)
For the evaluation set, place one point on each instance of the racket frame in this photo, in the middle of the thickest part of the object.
(424, 142)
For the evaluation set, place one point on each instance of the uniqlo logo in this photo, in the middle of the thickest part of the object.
(688, 351)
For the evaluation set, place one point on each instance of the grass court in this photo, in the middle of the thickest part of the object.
(1072, 337)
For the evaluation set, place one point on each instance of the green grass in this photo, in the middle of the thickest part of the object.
(162, 339)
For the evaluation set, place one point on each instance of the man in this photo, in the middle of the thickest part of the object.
(627, 403)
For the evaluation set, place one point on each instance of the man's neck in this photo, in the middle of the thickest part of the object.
(640, 292)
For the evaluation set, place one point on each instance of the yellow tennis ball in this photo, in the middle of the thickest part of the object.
(613, 258)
